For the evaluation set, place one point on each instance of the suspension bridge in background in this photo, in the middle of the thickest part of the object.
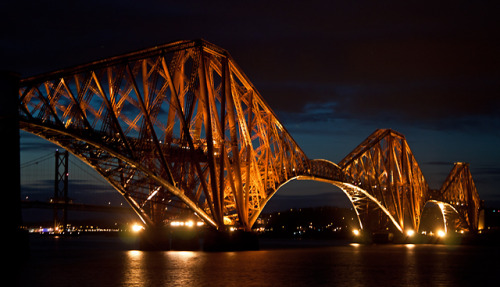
(50, 174)
(180, 126)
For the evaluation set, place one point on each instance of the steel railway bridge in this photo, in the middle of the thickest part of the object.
(180, 126)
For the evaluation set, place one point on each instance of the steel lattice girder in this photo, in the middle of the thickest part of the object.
(385, 170)
(460, 192)
(384, 166)
(180, 119)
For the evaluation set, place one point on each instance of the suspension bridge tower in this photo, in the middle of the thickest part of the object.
(61, 189)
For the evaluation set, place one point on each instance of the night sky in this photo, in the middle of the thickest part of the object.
(332, 72)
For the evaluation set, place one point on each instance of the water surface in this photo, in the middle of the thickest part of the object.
(105, 261)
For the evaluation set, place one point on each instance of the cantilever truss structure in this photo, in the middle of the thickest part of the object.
(459, 191)
(384, 166)
(179, 126)
(174, 125)
(382, 177)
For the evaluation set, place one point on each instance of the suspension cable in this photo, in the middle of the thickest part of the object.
(37, 160)
(78, 163)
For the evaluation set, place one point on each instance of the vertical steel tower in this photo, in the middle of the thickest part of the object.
(61, 189)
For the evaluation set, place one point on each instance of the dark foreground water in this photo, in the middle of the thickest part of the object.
(109, 261)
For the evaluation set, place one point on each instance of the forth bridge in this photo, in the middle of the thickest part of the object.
(180, 127)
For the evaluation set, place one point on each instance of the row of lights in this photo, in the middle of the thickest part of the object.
(440, 233)
(409, 233)
(189, 223)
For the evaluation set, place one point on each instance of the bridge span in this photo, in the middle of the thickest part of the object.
(181, 126)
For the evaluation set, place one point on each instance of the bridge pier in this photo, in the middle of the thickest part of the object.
(155, 239)
(188, 238)
(165, 238)
(237, 240)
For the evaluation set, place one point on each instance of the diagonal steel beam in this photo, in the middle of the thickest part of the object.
(150, 127)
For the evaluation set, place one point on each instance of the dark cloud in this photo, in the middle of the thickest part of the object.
(403, 62)
(30, 143)
(36, 146)
(438, 163)
(323, 67)
(406, 61)
(486, 171)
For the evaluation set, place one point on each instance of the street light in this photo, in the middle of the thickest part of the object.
(137, 227)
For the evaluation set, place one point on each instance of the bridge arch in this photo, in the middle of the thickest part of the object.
(77, 144)
(357, 196)
(452, 219)
(323, 170)
(330, 172)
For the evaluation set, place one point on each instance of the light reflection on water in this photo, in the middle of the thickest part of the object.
(344, 265)
(132, 273)
(145, 268)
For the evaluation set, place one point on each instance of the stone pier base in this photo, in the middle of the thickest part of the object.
(230, 241)
(186, 238)
(154, 239)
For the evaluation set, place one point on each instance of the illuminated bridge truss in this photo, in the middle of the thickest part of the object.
(384, 167)
(172, 126)
(387, 188)
(460, 195)
(180, 127)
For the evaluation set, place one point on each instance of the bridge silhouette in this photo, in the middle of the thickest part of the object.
(180, 125)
